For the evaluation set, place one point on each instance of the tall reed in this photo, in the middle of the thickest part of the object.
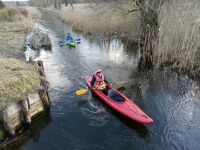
(179, 34)
(92, 21)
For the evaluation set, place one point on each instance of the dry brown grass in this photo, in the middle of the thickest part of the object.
(17, 80)
(92, 21)
(12, 37)
(4, 12)
(21, 11)
(13, 34)
(33, 13)
(179, 35)
(13, 14)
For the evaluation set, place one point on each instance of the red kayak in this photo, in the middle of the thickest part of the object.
(125, 107)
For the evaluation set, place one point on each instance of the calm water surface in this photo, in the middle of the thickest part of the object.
(84, 123)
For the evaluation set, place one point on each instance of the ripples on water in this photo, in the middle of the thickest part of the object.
(97, 115)
(83, 122)
(181, 118)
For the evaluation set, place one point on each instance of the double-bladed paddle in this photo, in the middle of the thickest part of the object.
(83, 91)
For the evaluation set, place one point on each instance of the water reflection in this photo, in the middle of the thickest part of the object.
(30, 132)
(84, 122)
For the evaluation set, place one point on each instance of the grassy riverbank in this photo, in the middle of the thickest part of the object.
(13, 28)
(17, 78)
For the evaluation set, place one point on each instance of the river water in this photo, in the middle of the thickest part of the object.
(84, 123)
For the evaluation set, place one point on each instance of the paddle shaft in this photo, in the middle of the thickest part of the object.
(119, 82)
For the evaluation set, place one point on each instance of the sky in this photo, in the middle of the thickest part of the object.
(13, 0)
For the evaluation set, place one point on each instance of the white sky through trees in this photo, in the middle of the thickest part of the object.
(13, 0)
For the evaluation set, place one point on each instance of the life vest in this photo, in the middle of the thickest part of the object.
(99, 83)
(69, 38)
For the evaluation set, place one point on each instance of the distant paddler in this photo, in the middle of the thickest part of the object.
(70, 41)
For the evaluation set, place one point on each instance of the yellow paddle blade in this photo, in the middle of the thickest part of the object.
(81, 91)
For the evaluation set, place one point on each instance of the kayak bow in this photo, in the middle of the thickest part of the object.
(71, 43)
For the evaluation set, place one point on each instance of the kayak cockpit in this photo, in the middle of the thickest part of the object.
(115, 96)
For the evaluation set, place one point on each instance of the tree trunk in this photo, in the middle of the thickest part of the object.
(66, 3)
(57, 4)
(45, 4)
(149, 26)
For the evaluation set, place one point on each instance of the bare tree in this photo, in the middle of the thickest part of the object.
(65, 2)
(57, 4)
(149, 23)
(1, 4)
(46, 3)
(71, 3)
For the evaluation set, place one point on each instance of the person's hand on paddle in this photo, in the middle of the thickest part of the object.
(108, 84)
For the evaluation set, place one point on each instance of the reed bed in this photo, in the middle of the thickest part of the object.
(179, 35)
(95, 22)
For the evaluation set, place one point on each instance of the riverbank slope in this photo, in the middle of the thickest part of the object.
(15, 73)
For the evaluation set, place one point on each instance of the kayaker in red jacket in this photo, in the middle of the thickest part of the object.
(99, 82)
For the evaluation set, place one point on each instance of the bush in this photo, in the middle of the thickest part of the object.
(22, 11)
(10, 13)
(4, 12)
(1, 4)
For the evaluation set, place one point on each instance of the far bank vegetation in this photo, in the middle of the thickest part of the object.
(167, 32)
